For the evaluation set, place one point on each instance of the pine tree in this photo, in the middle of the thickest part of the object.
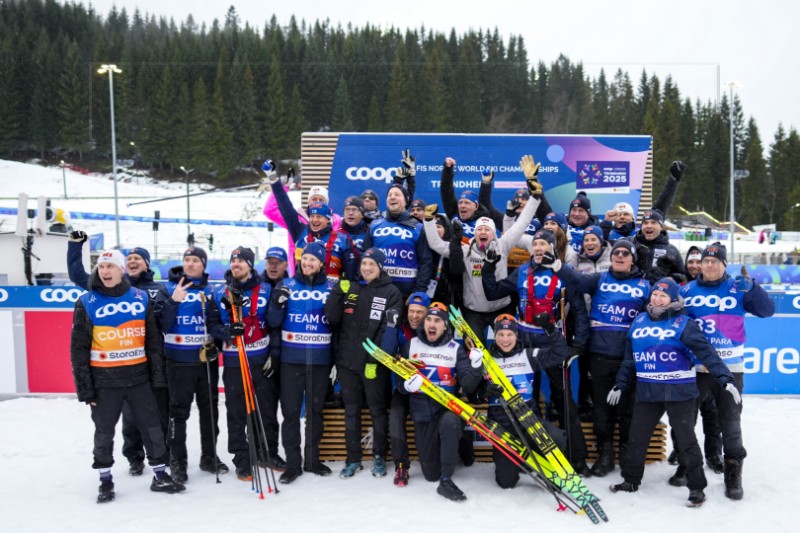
(72, 103)
(342, 116)
(276, 128)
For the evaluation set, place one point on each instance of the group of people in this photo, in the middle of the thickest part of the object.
(653, 332)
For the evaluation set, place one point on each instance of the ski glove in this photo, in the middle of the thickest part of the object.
(491, 253)
(236, 329)
(370, 370)
(550, 260)
(414, 383)
(733, 391)
(409, 163)
(282, 295)
(487, 176)
(269, 169)
(476, 357)
(458, 233)
(676, 170)
(392, 318)
(430, 211)
(743, 283)
(493, 390)
(267, 370)
(511, 207)
(545, 321)
(78, 236)
(614, 395)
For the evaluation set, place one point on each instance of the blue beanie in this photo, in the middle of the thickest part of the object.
(559, 219)
(469, 195)
(668, 286)
(654, 214)
(144, 254)
(718, 250)
(545, 235)
(316, 249)
(198, 252)
(593, 230)
(376, 255)
(318, 208)
(245, 254)
(582, 201)
(533, 227)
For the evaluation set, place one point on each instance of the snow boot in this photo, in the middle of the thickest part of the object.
(105, 493)
(674, 458)
(177, 470)
(136, 467)
(318, 468)
(581, 469)
(244, 473)
(625, 486)
(449, 490)
(162, 482)
(350, 470)
(207, 464)
(401, 475)
(276, 463)
(733, 479)
(714, 462)
(696, 498)
(605, 463)
(679, 479)
(378, 466)
(290, 475)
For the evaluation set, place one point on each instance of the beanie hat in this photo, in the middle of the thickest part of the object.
(593, 230)
(582, 201)
(522, 194)
(533, 227)
(419, 298)
(486, 221)
(277, 253)
(376, 255)
(318, 208)
(654, 214)
(694, 253)
(559, 219)
(319, 190)
(624, 207)
(545, 235)
(406, 195)
(626, 244)
(141, 252)
(505, 321)
(438, 309)
(315, 249)
(369, 193)
(114, 257)
(469, 195)
(668, 286)
(198, 252)
(442, 221)
(355, 201)
(245, 254)
(717, 250)
(418, 203)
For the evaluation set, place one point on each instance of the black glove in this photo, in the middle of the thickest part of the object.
(676, 170)
(492, 255)
(643, 258)
(392, 318)
(545, 321)
(281, 296)
(549, 259)
(493, 390)
(78, 236)
(236, 329)
(458, 232)
(267, 370)
(409, 164)
(511, 207)
(679, 278)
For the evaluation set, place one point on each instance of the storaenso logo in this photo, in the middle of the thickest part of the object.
(3, 295)
(636, 292)
(61, 295)
(122, 307)
(365, 173)
(712, 300)
(659, 333)
(310, 295)
(393, 230)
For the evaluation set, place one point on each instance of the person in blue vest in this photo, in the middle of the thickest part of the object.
(401, 238)
(446, 364)
(297, 307)
(180, 313)
(718, 303)
(618, 296)
(660, 352)
(244, 289)
(115, 353)
(138, 273)
(354, 222)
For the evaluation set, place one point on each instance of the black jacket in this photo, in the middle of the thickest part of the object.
(658, 258)
(358, 312)
(88, 378)
(80, 277)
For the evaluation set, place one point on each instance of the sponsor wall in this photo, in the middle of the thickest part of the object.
(35, 324)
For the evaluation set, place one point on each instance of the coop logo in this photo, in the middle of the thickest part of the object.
(396, 231)
(309, 295)
(636, 292)
(795, 302)
(364, 173)
(191, 297)
(122, 307)
(541, 281)
(61, 295)
(658, 333)
(3, 295)
(712, 300)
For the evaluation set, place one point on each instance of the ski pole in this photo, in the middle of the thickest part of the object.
(210, 390)
(565, 377)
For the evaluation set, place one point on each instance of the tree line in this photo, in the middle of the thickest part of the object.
(220, 99)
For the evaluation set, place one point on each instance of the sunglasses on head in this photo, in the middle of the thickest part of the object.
(621, 253)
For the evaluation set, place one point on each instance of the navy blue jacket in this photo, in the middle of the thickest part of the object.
(80, 277)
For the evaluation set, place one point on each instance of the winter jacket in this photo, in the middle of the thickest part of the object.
(474, 297)
(124, 310)
(662, 203)
(576, 233)
(658, 258)
(450, 205)
(271, 282)
(357, 234)
(80, 277)
(660, 356)
(357, 312)
(446, 365)
(446, 284)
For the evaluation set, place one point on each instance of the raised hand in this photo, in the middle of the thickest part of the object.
(181, 290)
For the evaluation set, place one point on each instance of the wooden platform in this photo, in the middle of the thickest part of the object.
(332, 447)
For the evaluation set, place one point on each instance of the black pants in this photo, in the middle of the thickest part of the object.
(729, 413)
(133, 444)
(187, 382)
(712, 433)
(480, 320)
(299, 382)
(437, 445)
(397, 428)
(576, 450)
(585, 378)
(506, 473)
(604, 374)
(267, 391)
(143, 408)
(681, 417)
(355, 386)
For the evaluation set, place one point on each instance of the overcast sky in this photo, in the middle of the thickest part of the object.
(754, 43)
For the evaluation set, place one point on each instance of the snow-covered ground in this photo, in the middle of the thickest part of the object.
(49, 485)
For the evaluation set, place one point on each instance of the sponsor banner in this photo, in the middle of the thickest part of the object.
(369, 161)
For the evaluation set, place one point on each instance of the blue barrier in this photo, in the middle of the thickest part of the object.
(80, 215)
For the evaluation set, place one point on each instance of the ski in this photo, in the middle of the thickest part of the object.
(508, 444)
(531, 423)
